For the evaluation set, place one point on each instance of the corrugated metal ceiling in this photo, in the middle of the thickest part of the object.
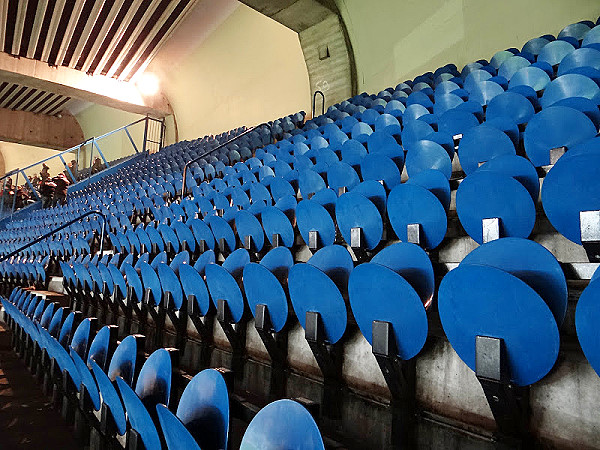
(114, 38)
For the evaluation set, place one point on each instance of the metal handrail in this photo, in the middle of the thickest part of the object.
(314, 103)
(75, 177)
(127, 126)
(10, 173)
(250, 130)
(86, 142)
(62, 227)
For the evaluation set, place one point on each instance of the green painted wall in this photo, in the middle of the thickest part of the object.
(395, 40)
(98, 120)
(17, 156)
(249, 70)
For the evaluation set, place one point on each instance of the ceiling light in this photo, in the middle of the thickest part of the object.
(148, 84)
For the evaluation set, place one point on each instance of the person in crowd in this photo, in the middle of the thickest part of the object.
(35, 181)
(8, 193)
(22, 197)
(47, 188)
(60, 192)
(28, 186)
(73, 168)
(97, 166)
(45, 172)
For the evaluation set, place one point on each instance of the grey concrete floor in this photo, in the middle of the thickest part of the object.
(26, 419)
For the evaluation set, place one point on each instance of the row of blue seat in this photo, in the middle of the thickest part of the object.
(499, 122)
(370, 196)
(137, 395)
(402, 271)
(48, 219)
(427, 154)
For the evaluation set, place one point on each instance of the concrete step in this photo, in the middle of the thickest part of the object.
(27, 419)
(56, 285)
(53, 296)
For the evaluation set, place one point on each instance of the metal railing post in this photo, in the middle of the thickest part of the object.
(314, 103)
(91, 160)
(131, 140)
(78, 150)
(163, 127)
(57, 229)
(145, 135)
(67, 168)
(95, 142)
(33, 191)
(16, 183)
(3, 192)
(248, 131)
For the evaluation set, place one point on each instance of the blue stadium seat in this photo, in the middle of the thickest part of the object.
(554, 127)
(484, 195)
(525, 267)
(283, 423)
(202, 418)
(263, 285)
(569, 189)
(317, 286)
(153, 386)
(410, 204)
(480, 144)
(401, 267)
(223, 282)
(425, 154)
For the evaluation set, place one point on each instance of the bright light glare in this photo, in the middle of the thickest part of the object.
(148, 84)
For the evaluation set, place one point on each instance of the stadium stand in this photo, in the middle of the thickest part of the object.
(297, 236)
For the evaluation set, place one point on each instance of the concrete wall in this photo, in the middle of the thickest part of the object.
(324, 42)
(328, 61)
(394, 40)
(249, 70)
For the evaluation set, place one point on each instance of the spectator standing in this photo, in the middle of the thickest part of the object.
(73, 168)
(60, 192)
(35, 182)
(97, 166)
(8, 193)
(47, 189)
(45, 172)
(22, 197)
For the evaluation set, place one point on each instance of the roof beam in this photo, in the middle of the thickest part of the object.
(94, 16)
(56, 15)
(118, 36)
(130, 71)
(130, 40)
(3, 21)
(145, 43)
(76, 84)
(89, 59)
(40, 130)
(22, 9)
(66, 39)
(17, 96)
(37, 27)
